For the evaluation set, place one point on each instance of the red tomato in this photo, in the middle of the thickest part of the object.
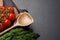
(3, 17)
(11, 17)
(7, 22)
(2, 8)
(1, 28)
(10, 9)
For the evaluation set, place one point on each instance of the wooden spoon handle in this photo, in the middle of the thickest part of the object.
(1, 2)
(7, 29)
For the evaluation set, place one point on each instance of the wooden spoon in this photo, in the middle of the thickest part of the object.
(1, 2)
(23, 19)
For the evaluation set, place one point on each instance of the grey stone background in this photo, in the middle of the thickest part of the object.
(46, 14)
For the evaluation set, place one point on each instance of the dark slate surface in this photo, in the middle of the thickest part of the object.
(46, 14)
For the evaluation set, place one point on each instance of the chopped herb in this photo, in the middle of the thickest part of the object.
(0, 24)
(0, 9)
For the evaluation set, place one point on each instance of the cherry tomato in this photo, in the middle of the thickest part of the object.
(7, 22)
(2, 8)
(3, 16)
(1, 28)
(11, 17)
(10, 9)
